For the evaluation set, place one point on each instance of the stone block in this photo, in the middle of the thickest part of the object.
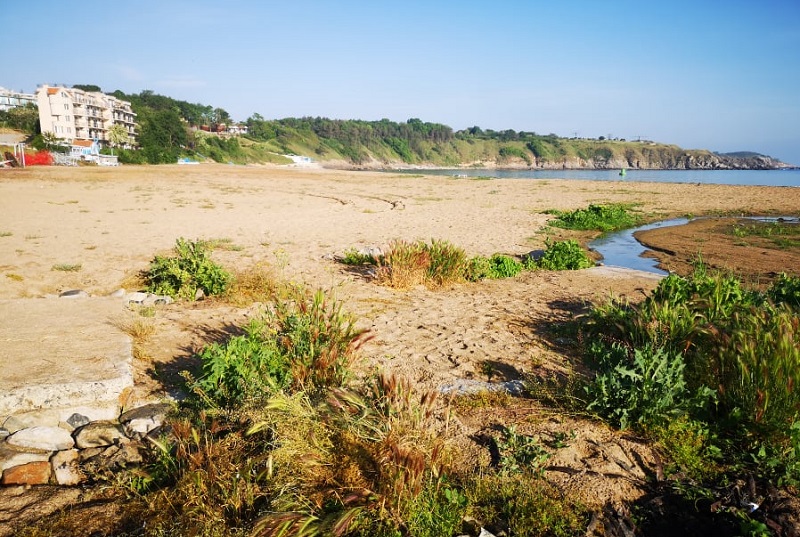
(66, 468)
(13, 456)
(97, 434)
(42, 438)
(33, 473)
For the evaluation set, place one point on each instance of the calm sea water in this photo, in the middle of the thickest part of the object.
(713, 177)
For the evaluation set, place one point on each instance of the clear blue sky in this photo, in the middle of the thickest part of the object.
(716, 74)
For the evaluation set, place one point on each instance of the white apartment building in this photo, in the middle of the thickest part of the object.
(73, 114)
(12, 99)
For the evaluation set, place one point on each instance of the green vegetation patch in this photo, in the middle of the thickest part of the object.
(714, 353)
(189, 270)
(595, 218)
(564, 255)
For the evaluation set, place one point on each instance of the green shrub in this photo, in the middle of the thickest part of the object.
(304, 342)
(244, 367)
(496, 267)
(785, 290)
(564, 255)
(739, 359)
(478, 268)
(596, 217)
(642, 387)
(503, 266)
(186, 272)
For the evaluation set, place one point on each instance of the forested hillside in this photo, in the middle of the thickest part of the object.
(170, 129)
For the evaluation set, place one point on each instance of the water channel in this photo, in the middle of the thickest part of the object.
(621, 249)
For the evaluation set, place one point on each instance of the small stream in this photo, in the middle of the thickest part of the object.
(621, 249)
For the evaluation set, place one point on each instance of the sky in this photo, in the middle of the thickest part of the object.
(722, 75)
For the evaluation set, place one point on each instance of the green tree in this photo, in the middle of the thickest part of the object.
(117, 136)
(162, 135)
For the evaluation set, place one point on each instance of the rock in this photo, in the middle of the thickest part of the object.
(4, 433)
(90, 453)
(199, 294)
(13, 424)
(66, 468)
(78, 420)
(119, 293)
(468, 386)
(33, 473)
(97, 434)
(135, 298)
(155, 300)
(11, 456)
(74, 293)
(140, 421)
(43, 438)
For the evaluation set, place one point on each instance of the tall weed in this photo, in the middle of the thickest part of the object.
(189, 270)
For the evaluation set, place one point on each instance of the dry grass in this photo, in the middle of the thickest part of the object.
(258, 283)
(140, 326)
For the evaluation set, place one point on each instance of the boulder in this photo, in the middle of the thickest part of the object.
(66, 468)
(74, 293)
(42, 438)
(33, 473)
(11, 456)
(140, 421)
(97, 434)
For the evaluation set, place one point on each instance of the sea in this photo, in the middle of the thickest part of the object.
(783, 177)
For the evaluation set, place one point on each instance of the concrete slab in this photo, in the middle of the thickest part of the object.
(59, 356)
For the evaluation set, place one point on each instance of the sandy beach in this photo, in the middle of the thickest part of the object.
(111, 222)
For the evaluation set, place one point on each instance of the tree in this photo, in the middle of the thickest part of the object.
(87, 87)
(117, 136)
(162, 135)
(50, 140)
(221, 117)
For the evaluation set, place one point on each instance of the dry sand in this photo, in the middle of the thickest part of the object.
(112, 222)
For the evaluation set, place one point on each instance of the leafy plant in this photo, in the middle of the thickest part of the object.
(564, 255)
(595, 217)
(190, 270)
(641, 387)
(785, 290)
(496, 267)
(520, 453)
(244, 367)
(305, 342)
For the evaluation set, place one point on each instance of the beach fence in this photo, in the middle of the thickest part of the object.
(62, 159)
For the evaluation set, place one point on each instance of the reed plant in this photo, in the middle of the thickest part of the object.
(404, 265)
